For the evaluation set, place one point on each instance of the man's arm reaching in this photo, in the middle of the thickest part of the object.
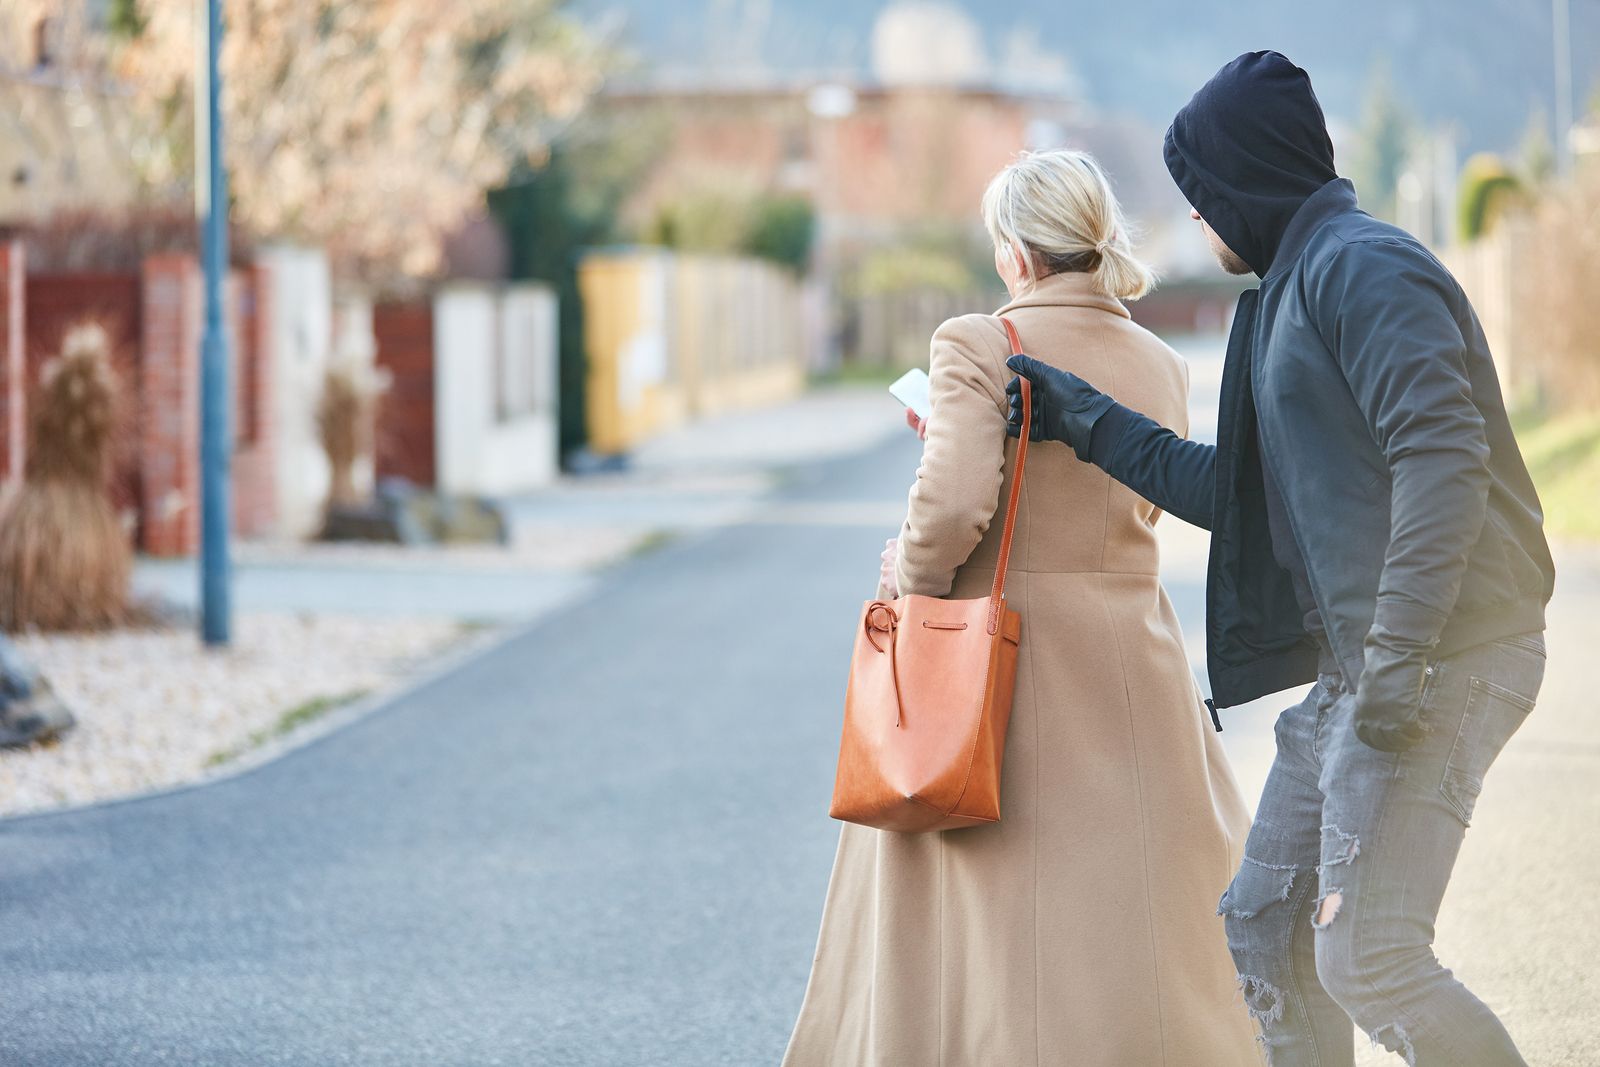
(1176, 475)
(1384, 310)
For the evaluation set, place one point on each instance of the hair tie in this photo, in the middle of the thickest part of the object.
(1101, 246)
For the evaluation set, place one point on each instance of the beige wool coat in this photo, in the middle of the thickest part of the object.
(1081, 929)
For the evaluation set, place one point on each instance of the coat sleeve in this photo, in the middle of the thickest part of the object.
(1386, 310)
(957, 490)
(1176, 475)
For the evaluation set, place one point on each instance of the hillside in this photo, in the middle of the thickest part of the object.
(1482, 65)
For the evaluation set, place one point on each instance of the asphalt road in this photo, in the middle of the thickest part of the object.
(604, 842)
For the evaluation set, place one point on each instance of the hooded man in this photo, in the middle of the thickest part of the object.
(1375, 531)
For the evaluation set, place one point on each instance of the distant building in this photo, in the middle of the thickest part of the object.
(873, 159)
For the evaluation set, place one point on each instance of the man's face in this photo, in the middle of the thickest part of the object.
(1225, 255)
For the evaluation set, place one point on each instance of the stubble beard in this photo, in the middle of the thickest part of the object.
(1227, 259)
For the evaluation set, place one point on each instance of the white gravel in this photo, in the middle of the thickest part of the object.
(156, 709)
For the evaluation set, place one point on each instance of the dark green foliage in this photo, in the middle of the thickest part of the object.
(545, 238)
(550, 215)
(736, 222)
(780, 230)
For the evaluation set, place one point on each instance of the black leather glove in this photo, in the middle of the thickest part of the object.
(1065, 407)
(1389, 697)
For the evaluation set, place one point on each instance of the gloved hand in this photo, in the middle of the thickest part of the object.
(1389, 697)
(1065, 407)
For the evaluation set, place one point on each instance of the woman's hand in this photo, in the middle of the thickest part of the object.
(917, 423)
(886, 575)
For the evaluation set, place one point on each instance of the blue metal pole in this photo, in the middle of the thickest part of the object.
(215, 441)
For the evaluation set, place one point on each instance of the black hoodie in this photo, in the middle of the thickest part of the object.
(1248, 150)
(1364, 466)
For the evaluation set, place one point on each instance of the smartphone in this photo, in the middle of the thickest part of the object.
(911, 389)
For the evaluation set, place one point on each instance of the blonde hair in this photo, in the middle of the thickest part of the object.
(1058, 209)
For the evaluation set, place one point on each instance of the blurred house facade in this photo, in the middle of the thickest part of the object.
(870, 158)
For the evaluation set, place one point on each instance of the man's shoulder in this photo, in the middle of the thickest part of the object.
(1359, 240)
(1372, 257)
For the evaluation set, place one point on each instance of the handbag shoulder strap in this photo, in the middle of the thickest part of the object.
(997, 595)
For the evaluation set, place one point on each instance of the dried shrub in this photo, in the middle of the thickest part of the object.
(64, 557)
(344, 424)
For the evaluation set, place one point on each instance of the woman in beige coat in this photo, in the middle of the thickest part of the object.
(1081, 929)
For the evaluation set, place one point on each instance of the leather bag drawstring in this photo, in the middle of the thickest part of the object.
(881, 619)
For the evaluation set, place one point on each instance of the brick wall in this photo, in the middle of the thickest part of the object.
(169, 386)
(57, 302)
(405, 432)
(154, 320)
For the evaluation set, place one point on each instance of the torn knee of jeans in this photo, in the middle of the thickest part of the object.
(1256, 886)
(1262, 998)
(1338, 848)
(1328, 905)
(1393, 1036)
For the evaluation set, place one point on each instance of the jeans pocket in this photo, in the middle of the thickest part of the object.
(1493, 714)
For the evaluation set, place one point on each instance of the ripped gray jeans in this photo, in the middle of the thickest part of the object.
(1330, 917)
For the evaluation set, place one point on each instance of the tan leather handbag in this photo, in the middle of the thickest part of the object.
(929, 698)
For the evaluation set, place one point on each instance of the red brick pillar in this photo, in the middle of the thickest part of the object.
(169, 400)
(13, 365)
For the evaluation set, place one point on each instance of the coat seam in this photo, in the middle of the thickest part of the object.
(1038, 744)
(1144, 831)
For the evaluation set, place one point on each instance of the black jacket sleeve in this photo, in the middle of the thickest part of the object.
(1387, 312)
(1175, 474)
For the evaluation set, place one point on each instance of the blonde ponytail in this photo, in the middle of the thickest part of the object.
(1120, 274)
(1059, 209)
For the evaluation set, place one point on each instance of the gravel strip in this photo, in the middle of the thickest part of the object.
(156, 709)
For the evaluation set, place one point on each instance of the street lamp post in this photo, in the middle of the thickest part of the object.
(1561, 33)
(211, 188)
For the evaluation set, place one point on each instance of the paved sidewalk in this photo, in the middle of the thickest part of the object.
(709, 473)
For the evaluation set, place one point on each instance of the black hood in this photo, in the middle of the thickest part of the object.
(1248, 150)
